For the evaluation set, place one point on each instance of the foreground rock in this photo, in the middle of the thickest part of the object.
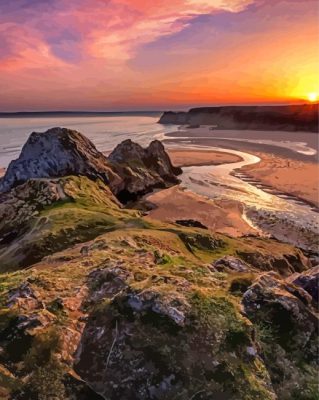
(145, 345)
(308, 281)
(287, 330)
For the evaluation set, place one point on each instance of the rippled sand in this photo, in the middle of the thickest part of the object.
(287, 175)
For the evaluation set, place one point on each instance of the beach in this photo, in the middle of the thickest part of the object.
(223, 216)
(286, 175)
(288, 160)
(186, 158)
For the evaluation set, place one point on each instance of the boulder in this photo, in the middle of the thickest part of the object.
(163, 344)
(284, 264)
(25, 297)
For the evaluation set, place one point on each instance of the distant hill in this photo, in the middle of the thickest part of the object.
(286, 118)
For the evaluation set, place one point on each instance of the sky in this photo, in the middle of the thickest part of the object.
(107, 55)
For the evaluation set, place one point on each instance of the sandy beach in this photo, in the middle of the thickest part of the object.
(289, 160)
(287, 175)
(223, 216)
(185, 158)
(295, 145)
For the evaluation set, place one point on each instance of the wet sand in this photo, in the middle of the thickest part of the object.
(287, 175)
(223, 216)
(277, 143)
(285, 165)
(185, 158)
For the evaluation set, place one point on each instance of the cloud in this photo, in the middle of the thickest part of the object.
(102, 52)
(109, 29)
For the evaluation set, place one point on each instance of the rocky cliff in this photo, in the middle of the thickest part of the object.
(55, 153)
(141, 169)
(286, 118)
(116, 306)
(130, 170)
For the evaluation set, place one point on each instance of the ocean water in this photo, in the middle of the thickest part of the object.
(105, 131)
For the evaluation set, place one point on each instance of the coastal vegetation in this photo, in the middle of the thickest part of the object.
(99, 301)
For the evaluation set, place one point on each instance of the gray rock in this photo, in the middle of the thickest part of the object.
(287, 308)
(25, 297)
(230, 264)
(55, 153)
(309, 281)
(129, 171)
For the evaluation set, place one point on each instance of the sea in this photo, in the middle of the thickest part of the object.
(106, 130)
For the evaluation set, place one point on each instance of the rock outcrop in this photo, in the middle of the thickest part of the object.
(308, 281)
(286, 327)
(56, 153)
(145, 345)
(286, 118)
(130, 170)
(141, 169)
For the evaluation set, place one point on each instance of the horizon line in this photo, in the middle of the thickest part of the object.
(173, 109)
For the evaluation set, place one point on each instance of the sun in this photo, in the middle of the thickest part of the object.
(312, 97)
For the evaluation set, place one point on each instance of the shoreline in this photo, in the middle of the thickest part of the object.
(182, 157)
(280, 171)
(218, 215)
(295, 145)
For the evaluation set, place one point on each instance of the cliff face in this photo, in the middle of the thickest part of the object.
(286, 118)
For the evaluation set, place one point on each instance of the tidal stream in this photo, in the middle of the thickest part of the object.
(285, 217)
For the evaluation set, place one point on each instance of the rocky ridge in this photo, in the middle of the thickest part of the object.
(60, 152)
(114, 306)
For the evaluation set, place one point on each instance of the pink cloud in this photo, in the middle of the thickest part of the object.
(89, 53)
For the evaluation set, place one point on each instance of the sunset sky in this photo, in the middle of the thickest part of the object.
(156, 54)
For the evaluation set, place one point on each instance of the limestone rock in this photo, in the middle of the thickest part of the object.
(56, 153)
(129, 171)
(141, 169)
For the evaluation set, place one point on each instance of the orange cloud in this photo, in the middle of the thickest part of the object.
(97, 54)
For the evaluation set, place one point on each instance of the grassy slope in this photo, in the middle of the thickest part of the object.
(167, 259)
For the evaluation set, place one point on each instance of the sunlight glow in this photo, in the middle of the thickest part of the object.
(312, 97)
